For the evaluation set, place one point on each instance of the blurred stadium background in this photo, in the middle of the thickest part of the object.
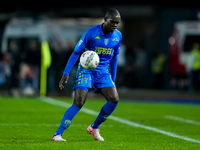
(157, 41)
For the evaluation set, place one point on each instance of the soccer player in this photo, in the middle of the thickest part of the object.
(105, 40)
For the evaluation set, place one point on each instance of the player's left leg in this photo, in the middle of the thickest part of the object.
(111, 95)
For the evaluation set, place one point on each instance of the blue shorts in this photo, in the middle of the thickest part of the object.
(87, 79)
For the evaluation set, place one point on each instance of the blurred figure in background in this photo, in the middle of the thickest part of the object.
(129, 78)
(28, 84)
(2, 71)
(5, 74)
(140, 65)
(193, 67)
(157, 69)
(15, 58)
(33, 59)
(135, 68)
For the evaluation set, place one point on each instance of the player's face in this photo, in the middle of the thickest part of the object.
(112, 23)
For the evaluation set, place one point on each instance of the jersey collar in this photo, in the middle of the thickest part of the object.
(106, 35)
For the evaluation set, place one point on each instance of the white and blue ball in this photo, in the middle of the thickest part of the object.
(89, 60)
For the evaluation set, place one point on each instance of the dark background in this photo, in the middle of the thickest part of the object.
(147, 24)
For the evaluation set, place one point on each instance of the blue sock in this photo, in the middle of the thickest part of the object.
(67, 118)
(106, 110)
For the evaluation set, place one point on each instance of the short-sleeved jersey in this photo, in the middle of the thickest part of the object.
(105, 45)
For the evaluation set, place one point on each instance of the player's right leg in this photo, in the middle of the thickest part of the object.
(79, 100)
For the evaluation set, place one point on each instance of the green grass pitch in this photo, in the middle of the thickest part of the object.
(29, 123)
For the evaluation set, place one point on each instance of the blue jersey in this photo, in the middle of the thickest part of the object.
(105, 45)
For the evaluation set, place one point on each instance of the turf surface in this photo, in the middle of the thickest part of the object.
(29, 123)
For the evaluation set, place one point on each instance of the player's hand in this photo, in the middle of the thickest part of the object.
(63, 79)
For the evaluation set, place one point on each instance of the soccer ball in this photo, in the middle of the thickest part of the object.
(89, 60)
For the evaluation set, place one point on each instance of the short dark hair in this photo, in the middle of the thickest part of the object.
(111, 12)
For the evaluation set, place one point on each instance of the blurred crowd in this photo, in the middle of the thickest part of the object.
(140, 69)
(20, 70)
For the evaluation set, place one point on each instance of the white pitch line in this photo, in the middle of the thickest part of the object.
(124, 121)
(182, 120)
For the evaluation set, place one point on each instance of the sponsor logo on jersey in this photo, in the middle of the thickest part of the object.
(102, 50)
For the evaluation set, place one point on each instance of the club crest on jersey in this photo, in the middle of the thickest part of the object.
(106, 41)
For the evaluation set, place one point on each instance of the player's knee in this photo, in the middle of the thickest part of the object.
(79, 100)
(79, 104)
(114, 98)
(80, 97)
